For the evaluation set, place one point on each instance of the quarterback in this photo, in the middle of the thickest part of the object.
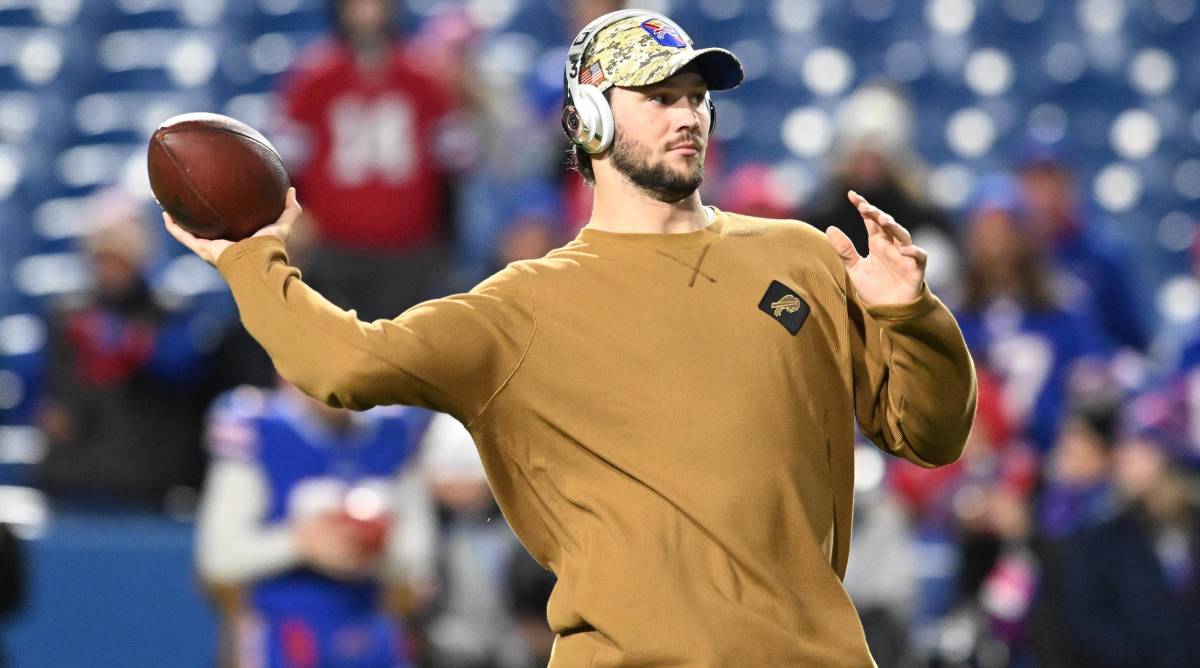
(665, 405)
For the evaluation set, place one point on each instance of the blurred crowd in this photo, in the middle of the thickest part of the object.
(1068, 534)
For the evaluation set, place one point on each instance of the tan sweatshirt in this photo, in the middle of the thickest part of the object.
(652, 428)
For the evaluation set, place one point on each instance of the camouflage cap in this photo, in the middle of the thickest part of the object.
(643, 50)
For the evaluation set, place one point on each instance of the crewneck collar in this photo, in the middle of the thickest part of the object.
(704, 235)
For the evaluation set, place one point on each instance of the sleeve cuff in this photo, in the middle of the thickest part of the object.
(924, 303)
(246, 247)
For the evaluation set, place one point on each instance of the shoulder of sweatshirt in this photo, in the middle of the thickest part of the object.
(507, 279)
(787, 235)
(793, 236)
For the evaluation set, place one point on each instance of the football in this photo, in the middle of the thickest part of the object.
(218, 177)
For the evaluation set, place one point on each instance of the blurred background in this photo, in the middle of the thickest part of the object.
(160, 489)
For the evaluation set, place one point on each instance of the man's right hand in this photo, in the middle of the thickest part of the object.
(328, 544)
(210, 250)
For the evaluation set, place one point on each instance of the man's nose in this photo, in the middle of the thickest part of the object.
(687, 116)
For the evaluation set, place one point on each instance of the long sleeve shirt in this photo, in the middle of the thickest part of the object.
(660, 422)
(233, 545)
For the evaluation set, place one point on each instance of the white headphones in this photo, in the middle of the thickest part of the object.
(587, 118)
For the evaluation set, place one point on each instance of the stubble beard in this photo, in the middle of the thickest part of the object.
(659, 180)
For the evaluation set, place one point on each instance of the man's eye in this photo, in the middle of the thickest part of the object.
(660, 99)
(697, 98)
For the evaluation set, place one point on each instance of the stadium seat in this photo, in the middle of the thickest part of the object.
(82, 85)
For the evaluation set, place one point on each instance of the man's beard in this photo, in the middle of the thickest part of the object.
(658, 180)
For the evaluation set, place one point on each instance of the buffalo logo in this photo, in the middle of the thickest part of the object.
(785, 306)
(790, 304)
(664, 34)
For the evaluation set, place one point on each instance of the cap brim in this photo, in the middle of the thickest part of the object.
(720, 69)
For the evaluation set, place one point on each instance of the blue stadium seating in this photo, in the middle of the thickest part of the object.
(96, 77)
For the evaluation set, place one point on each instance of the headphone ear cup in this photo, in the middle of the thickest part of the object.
(596, 119)
(585, 106)
(571, 124)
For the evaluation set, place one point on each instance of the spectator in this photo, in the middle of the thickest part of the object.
(125, 378)
(1091, 273)
(1133, 582)
(996, 577)
(471, 625)
(506, 198)
(360, 130)
(1078, 494)
(1010, 318)
(874, 156)
(520, 203)
(880, 578)
(313, 512)
(750, 189)
(965, 512)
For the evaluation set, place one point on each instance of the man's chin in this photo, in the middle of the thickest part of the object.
(685, 170)
(688, 182)
(672, 179)
(679, 192)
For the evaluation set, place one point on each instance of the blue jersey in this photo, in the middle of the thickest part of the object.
(1104, 283)
(303, 617)
(1032, 353)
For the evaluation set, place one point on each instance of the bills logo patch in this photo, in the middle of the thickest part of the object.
(785, 306)
(664, 34)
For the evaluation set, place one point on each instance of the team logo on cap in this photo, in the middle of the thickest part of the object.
(664, 34)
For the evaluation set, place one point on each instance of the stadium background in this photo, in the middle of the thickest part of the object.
(83, 84)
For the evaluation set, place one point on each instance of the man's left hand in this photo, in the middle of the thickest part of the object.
(894, 269)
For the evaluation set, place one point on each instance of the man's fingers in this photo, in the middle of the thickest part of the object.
(291, 207)
(186, 238)
(282, 227)
(207, 249)
(871, 213)
(210, 249)
(878, 221)
(915, 252)
(181, 235)
(842, 246)
(896, 230)
(867, 211)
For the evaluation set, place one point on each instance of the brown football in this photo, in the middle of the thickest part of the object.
(218, 177)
